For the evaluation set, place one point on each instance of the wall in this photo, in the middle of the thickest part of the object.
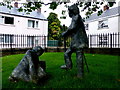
(20, 27)
(119, 24)
(113, 28)
(112, 22)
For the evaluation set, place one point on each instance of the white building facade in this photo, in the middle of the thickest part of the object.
(20, 29)
(104, 30)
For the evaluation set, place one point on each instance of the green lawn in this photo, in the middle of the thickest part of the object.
(103, 72)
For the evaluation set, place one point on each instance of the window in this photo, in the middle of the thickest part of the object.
(32, 24)
(6, 38)
(9, 20)
(36, 40)
(30, 40)
(103, 40)
(86, 26)
(1, 39)
(36, 24)
(103, 24)
(9, 38)
(6, 20)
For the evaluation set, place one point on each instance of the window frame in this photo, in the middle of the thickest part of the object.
(103, 40)
(1, 19)
(34, 24)
(30, 40)
(102, 25)
(4, 20)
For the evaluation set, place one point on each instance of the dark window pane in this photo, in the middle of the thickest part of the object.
(9, 20)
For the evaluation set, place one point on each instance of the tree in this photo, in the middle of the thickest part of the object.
(89, 7)
(54, 27)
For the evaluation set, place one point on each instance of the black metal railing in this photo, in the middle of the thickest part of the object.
(110, 40)
(22, 41)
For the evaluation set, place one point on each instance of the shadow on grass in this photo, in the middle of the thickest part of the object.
(44, 80)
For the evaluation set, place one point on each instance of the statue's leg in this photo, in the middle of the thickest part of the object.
(68, 61)
(80, 64)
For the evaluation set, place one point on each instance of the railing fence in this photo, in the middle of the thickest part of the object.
(110, 40)
(22, 41)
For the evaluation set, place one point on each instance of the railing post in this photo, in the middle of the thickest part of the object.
(10, 36)
(3, 40)
(111, 43)
(32, 41)
(44, 45)
(110, 40)
(118, 40)
(90, 41)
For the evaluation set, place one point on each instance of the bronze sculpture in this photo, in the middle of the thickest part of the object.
(29, 68)
(79, 40)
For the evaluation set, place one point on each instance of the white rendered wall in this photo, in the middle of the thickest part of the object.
(112, 26)
(21, 27)
(119, 24)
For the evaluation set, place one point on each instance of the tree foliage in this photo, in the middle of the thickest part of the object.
(54, 27)
(89, 7)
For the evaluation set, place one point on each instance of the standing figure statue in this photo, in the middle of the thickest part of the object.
(79, 40)
(29, 68)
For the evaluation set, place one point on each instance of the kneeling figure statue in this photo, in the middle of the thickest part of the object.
(29, 69)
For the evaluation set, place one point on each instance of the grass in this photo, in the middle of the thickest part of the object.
(103, 72)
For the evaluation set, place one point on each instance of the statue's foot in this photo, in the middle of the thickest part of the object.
(65, 67)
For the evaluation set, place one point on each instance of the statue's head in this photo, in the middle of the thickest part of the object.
(38, 50)
(73, 10)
